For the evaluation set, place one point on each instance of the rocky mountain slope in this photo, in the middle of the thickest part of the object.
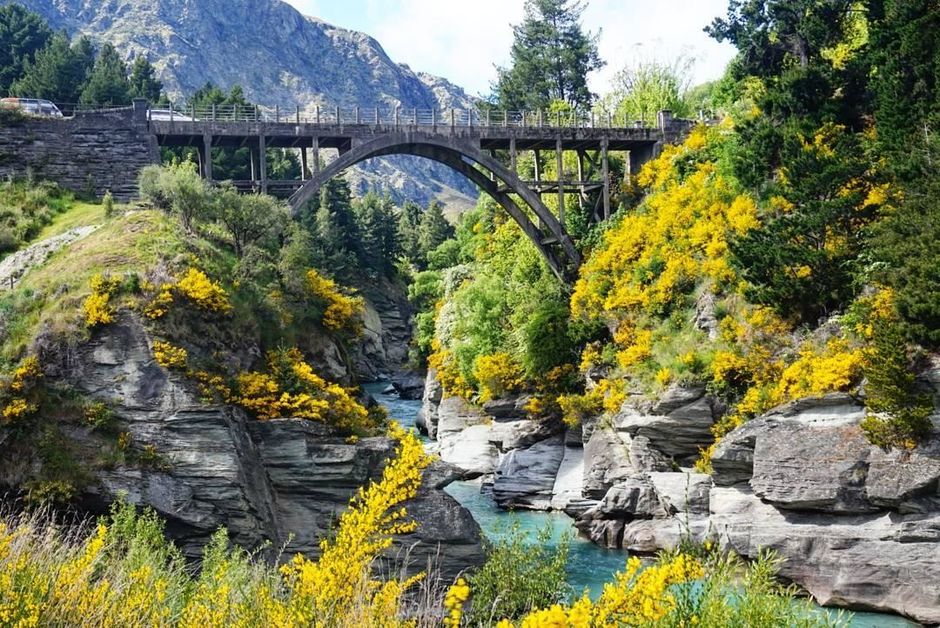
(279, 57)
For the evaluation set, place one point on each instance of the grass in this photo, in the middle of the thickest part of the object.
(80, 214)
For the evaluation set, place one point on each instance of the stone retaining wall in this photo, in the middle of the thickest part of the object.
(94, 151)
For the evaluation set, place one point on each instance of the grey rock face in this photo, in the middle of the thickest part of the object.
(265, 481)
(409, 385)
(382, 349)
(678, 424)
(526, 477)
(430, 400)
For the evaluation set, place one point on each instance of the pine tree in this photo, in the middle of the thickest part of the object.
(433, 229)
(22, 35)
(107, 83)
(335, 230)
(59, 71)
(144, 82)
(551, 58)
(376, 217)
(408, 219)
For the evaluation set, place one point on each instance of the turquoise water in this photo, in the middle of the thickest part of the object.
(589, 566)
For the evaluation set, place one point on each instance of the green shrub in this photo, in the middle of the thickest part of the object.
(518, 576)
(108, 203)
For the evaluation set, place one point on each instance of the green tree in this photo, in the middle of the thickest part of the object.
(408, 219)
(107, 82)
(433, 230)
(250, 218)
(379, 235)
(58, 72)
(335, 230)
(643, 89)
(144, 82)
(22, 35)
(551, 57)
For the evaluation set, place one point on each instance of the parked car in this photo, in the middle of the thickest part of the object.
(32, 106)
(165, 115)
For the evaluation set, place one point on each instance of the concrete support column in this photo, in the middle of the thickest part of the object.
(538, 169)
(512, 154)
(263, 161)
(581, 179)
(560, 166)
(605, 174)
(207, 159)
(252, 154)
(304, 171)
(316, 156)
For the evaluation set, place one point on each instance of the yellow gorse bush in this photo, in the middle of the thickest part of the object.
(202, 291)
(169, 356)
(341, 312)
(124, 573)
(291, 388)
(97, 306)
(497, 375)
(17, 398)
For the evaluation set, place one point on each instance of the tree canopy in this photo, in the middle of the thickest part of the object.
(551, 57)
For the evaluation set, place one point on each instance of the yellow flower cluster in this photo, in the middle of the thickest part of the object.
(677, 239)
(456, 597)
(204, 292)
(159, 306)
(497, 375)
(607, 395)
(448, 373)
(290, 388)
(341, 312)
(97, 306)
(323, 591)
(169, 356)
(16, 395)
(636, 597)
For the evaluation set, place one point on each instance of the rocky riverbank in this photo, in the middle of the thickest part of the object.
(854, 525)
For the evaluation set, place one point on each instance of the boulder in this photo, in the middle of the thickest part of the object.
(678, 424)
(879, 562)
(682, 493)
(507, 408)
(632, 498)
(408, 385)
(509, 435)
(426, 420)
(606, 462)
(525, 477)
(899, 478)
(454, 415)
(470, 449)
(566, 491)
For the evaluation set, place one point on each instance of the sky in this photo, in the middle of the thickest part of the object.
(463, 40)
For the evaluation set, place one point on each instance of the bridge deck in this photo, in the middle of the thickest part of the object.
(341, 137)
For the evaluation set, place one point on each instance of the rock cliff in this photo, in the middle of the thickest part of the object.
(854, 525)
(275, 484)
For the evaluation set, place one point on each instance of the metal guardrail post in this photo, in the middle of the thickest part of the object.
(213, 112)
(434, 118)
(453, 118)
(505, 118)
(318, 114)
(192, 109)
(297, 112)
(397, 116)
(487, 117)
(358, 118)
(541, 118)
(376, 116)
(414, 116)
(339, 121)
(277, 113)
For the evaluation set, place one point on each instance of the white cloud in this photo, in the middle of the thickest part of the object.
(462, 41)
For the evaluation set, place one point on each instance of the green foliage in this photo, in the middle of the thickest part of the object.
(518, 576)
(643, 89)
(59, 71)
(176, 189)
(107, 201)
(433, 229)
(900, 413)
(551, 57)
(546, 339)
(377, 223)
(144, 83)
(22, 35)
(248, 218)
(107, 82)
(26, 208)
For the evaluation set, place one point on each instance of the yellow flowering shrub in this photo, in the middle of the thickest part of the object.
(18, 395)
(448, 373)
(169, 356)
(203, 292)
(291, 388)
(160, 304)
(497, 375)
(322, 592)
(341, 312)
(97, 306)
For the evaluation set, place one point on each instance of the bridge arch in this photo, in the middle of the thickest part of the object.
(549, 236)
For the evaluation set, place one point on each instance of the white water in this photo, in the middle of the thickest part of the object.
(589, 565)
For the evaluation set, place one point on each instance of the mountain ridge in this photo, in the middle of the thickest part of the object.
(281, 58)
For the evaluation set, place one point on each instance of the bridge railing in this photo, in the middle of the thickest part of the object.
(398, 116)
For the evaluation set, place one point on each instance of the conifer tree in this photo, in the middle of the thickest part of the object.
(144, 82)
(107, 83)
(22, 35)
(58, 72)
(433, 229)
(551, 58)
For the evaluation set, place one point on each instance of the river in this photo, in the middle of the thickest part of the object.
(589, 565)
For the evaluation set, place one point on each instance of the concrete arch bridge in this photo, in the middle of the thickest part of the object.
(475, 144)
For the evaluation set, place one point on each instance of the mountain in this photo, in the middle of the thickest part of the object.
(279, 57)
